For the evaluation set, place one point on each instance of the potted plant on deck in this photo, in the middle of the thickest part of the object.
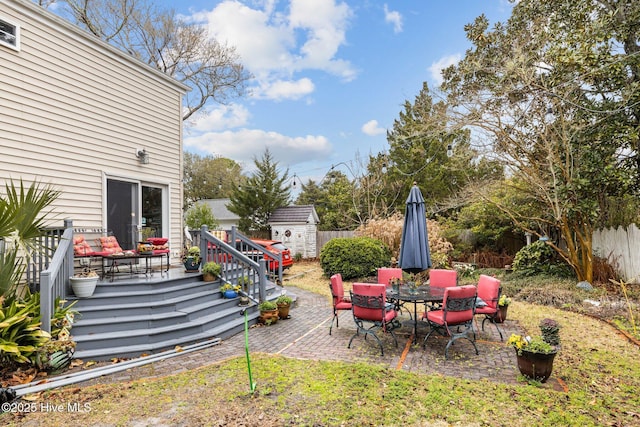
(284, 303)
(503, 305)
(84, 282)
(211, 271)
(535, 355)
(191, 259)
(229, 290)
(244, 282)
(268, 312)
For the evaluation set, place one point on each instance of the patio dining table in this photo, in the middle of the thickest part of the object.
(420, 295)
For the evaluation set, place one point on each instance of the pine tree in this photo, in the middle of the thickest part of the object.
(264, 192)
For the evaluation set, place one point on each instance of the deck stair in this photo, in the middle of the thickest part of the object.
(131, 316)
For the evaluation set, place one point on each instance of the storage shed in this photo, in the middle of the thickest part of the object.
(296, 227)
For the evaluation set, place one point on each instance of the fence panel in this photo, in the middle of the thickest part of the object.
(322, 237)
(621, 246)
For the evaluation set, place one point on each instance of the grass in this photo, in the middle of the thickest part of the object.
(600, 367)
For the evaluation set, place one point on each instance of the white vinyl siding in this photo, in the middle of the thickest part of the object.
(73, 109)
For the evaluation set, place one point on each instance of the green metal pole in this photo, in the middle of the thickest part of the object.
(252, 385)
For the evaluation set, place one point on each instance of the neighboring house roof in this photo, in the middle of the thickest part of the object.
(297, 214)
(220, 210)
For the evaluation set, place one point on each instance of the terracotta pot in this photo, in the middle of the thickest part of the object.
(208, 277)
(501, 315)
(283, 311)
(268, 317)
(536, 366)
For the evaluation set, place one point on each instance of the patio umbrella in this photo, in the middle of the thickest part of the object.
(414, 247)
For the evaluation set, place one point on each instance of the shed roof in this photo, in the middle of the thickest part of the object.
(296, 214)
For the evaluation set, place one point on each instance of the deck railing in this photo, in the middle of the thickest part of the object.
(235, 263)
(250, 249)
(54, 280)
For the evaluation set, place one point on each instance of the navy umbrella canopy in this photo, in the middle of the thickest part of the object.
(414, 247)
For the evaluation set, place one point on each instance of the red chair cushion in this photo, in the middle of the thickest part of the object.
(157, 241)
(343, 305)
(486, 310)
(110, 245)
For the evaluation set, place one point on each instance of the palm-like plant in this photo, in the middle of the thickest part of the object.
(24, 214)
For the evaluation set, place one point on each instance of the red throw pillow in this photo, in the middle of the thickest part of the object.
(159, 241)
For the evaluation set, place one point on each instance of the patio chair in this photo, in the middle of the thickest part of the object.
(455, 319)
(441, 278)
(489, 292)
(340, 300)
(370, 312)
(385, 274)
(83, 252)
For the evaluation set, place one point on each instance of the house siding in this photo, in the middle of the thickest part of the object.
(73, 111)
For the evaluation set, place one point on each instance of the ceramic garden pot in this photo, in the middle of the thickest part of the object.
(536, 366)
(83, 287)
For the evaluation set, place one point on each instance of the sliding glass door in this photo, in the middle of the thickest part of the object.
(136, 211)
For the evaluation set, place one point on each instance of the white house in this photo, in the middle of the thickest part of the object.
(296, 227)
(100, 126)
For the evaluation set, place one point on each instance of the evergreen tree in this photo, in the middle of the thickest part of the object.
(264, 192)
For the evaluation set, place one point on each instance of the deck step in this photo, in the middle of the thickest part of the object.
(129, 317)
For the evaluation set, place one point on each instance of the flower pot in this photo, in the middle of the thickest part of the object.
(230, 294)
(55, 360)
(283, 311)
(208, 277)
(501, 315)
(190, 265)
(536, 366)
(268, 317)
(244, 300)
(83, 286)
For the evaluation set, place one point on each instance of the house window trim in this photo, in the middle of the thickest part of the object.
(15, 47)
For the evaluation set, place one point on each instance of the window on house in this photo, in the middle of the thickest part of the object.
(9, 34)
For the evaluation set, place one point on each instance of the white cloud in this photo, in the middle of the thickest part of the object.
(393, 17)
(436, 68)
(220, 118)
(245, 144)
(275, 45)
(285, 89)
(372, 128)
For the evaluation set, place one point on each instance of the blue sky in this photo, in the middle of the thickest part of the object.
(330, 76)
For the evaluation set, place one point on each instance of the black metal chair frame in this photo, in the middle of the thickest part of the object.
(453, 304)
(335, 310)
(376, 303)
(491, 317)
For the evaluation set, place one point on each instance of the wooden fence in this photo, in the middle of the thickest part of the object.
(322, 237)
(622, 247)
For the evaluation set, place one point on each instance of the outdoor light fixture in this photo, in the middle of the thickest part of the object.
(143, 156)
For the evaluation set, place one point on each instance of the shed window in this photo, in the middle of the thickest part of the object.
(9, 34)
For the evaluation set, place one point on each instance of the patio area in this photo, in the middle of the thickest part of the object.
(306, 336)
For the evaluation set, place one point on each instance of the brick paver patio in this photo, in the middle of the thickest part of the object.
(306, 336)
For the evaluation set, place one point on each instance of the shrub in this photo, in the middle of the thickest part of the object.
(20, 333)
(200, 214)
(539, 258)
(354, 257)
(389, 232)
